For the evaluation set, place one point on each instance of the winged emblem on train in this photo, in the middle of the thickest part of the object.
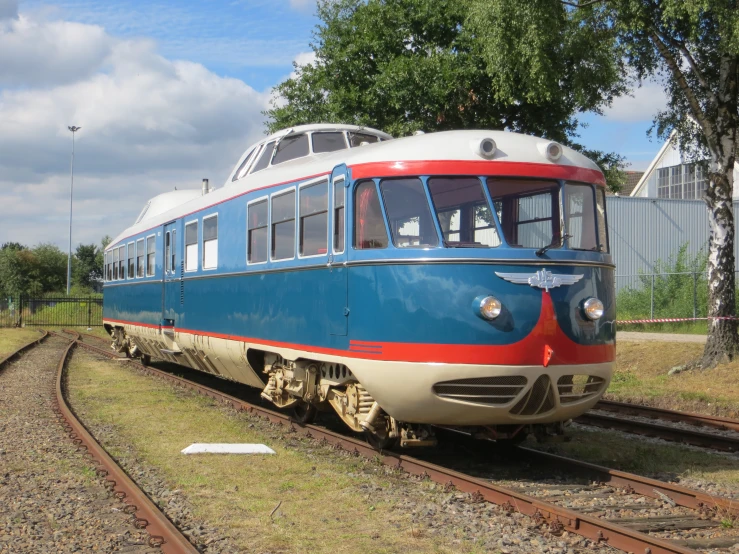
(542, 279)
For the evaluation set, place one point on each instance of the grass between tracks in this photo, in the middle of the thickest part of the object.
(11, 339)
(327, 503)
(641, 377)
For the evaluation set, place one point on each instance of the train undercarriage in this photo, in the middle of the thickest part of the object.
(309, 387)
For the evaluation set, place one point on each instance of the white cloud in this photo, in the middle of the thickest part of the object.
(642, 105)
(305, 58)
(302, 4)
(148, 124)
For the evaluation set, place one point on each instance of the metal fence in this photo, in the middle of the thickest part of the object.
(63, 311)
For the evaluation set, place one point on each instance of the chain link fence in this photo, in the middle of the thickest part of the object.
(62, 311)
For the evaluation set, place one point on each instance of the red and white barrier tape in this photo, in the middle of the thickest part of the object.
(673, 319)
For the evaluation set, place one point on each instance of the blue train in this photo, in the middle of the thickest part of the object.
(459, 279)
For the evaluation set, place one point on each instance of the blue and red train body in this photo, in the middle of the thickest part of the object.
(431, 281)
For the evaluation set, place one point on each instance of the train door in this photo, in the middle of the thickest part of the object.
(337, 300)
(171, 292)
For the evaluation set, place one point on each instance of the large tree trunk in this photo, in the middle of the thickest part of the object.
(723, 340)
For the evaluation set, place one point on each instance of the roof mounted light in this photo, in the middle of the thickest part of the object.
(552, 150)
(486, 148)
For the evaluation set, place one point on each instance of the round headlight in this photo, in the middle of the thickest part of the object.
(490, 307)
(593, 308)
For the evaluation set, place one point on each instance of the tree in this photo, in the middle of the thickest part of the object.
(691, 47)
(408, 65)
(88, 267)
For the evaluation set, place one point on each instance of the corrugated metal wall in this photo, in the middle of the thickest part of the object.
(644, 230)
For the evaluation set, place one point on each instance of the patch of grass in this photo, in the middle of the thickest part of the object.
(640, 376)
(322, 494)
(11, 339)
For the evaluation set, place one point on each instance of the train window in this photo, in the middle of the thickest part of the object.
(528, 211)
(314, 219)
(463, 212)
(210, 242)
(356, 139)
(167, 250)
(191, 246)
(109, 263)
(328, 142)
(580, 217)
(140, 258)
(408, 213)
(143, 212)
(150, 255)
(290, 148)
(131, 258)
(241, 171)
(115, 264)
(265, 158)
(121, 263)
(283, 226)
(600, 197)
(174, 250)
(339, 194)
(369, 226)
(257, 232)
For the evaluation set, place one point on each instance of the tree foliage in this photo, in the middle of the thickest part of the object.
(408, 65)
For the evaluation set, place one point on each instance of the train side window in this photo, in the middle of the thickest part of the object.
(167, 250)
(115, 264)
(580, 217)
(151, 249)
(314, 219)
(408, 213)
(600, 198)
(328, 142)
(131, 260)
(210, 242)
(369, 226)
(265, 158)
(283, 226)
(140, 258)
(290, 148)
(257, 232)
(191, 246)
(339, 195)
(109, 263)
(121, 263)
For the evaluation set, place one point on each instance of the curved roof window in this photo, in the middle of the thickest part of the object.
(264, 159)
(290, 148)
(239, 173)
(328, 142)
(143, 212)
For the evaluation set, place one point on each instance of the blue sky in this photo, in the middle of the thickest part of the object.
(167, 93)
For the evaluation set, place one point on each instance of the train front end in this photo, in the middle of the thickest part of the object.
(482, 294)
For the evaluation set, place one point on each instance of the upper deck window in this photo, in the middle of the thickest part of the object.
(241, 171)
(369, 225)
(408, 213)
(265, 158)
(356, 139)
(328, 142)
(143, 212)
(464, 215)
(528, 211)
(290, 148)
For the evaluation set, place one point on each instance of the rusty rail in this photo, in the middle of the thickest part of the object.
(20, 350)
(700, 420)
(162, 533)
(559, 519)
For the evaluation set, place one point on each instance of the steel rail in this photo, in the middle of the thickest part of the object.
(665, 432)
(559, 519)
(21, 349)
(702, 420)
(162, 533)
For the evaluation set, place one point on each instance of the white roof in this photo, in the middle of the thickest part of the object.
(447, 145)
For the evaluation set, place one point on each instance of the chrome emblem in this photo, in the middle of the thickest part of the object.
(542, 279)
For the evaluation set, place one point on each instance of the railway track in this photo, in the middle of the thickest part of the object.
(648, 421)
(607, 494)
(146, 515)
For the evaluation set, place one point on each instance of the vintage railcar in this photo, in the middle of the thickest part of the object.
(458, 279)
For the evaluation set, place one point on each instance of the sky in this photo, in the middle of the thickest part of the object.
(166, 92)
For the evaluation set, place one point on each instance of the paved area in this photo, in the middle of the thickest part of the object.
(632, 336)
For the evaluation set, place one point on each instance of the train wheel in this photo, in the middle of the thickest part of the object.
(304, 412)
(378, 442)
(145, 360)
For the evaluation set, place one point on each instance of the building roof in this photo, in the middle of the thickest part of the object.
(632, 179)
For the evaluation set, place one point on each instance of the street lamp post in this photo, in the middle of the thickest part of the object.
(71, 191)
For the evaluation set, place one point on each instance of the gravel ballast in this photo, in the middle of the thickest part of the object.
(50, 498)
